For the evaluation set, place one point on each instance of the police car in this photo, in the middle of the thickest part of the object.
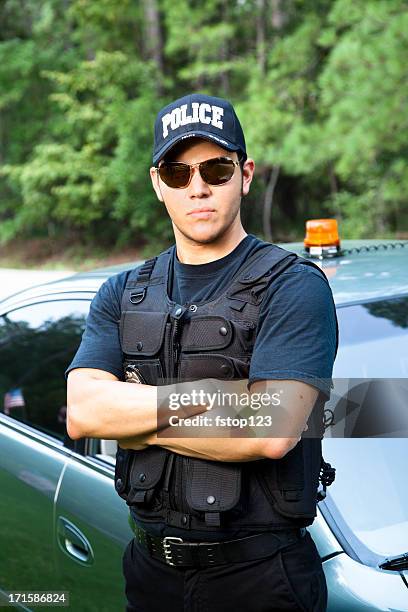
(63, 528)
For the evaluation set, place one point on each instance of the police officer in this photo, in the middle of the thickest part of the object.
(219, 522)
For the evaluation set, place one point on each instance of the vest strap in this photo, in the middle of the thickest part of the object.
(249, 287)
(139, 279)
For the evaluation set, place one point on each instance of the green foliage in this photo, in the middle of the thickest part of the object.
(363, 98)
(320, 87)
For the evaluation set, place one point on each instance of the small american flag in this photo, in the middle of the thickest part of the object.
(13, 399)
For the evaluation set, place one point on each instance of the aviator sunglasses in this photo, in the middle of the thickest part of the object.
(215, 171)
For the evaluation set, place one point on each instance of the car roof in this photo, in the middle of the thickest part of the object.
(366, 271)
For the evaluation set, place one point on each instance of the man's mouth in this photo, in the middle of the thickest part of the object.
(201, 212)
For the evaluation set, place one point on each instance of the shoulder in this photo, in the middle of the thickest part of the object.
(274, 254)
(301, 286)
(306, 271)
(115, 284)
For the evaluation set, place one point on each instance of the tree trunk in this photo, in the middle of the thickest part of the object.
(224, 52)
(68, 44)
(333, 180)
(154, 40)
(260, 35)
(278, 16)
(268, 201)
(224, 77)
(2, 147)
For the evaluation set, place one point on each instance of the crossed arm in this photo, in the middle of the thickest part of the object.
(101, 406)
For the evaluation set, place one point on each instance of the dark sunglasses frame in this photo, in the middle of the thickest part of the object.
(201, 168)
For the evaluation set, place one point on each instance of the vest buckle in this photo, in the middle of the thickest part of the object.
(138, 297)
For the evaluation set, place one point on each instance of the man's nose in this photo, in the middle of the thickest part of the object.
(198, 187)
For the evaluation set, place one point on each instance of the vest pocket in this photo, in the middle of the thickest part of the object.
(142, 333)
(122, 467)
(283, 479)
(138, 476)
(206, 333)
(290, 483)
(213, 488)
(196, 367)
(291, 477)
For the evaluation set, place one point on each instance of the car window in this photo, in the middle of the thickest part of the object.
(105, 450)
(37, 343)
(373, 340)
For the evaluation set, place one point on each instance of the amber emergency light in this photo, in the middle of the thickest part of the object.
(322, 238)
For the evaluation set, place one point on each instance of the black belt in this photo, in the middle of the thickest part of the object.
(174, 551)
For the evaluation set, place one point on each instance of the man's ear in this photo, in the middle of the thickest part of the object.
(155, 182)
(247, 175)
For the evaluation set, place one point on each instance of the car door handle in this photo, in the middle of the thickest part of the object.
(73, 542)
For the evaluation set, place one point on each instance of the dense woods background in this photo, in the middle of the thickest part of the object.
(321, 88)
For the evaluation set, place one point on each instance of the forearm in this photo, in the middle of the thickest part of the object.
(226, 445)
(101, 406)
(111, 409)
(217, 449)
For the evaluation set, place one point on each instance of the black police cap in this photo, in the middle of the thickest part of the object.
(198, 115)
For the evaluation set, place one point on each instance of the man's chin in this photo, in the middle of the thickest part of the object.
(203, 235)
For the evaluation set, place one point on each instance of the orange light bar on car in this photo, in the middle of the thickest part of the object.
(322, 238)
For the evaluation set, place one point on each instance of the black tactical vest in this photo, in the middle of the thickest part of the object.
(214, 339)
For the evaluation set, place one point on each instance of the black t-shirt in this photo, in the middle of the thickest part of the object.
(296, 336)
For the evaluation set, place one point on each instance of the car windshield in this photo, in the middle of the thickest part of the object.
(373, 340)
(370, 490)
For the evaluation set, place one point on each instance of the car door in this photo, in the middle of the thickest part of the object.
(36, 342)
(62, 526)
(92, 530)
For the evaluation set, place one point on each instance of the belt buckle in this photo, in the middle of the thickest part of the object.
(167, 550)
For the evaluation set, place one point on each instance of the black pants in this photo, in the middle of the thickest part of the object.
(291, 579)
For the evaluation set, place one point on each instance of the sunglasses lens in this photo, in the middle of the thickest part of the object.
(174, 175)
(217, 171)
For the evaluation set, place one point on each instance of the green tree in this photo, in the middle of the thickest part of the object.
(364, 92)
(319, 85)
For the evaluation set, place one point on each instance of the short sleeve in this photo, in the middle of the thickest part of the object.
(296, 334)
(100, 345)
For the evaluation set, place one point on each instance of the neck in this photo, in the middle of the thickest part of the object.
(192, 252)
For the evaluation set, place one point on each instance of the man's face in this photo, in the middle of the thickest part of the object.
(201, 212)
